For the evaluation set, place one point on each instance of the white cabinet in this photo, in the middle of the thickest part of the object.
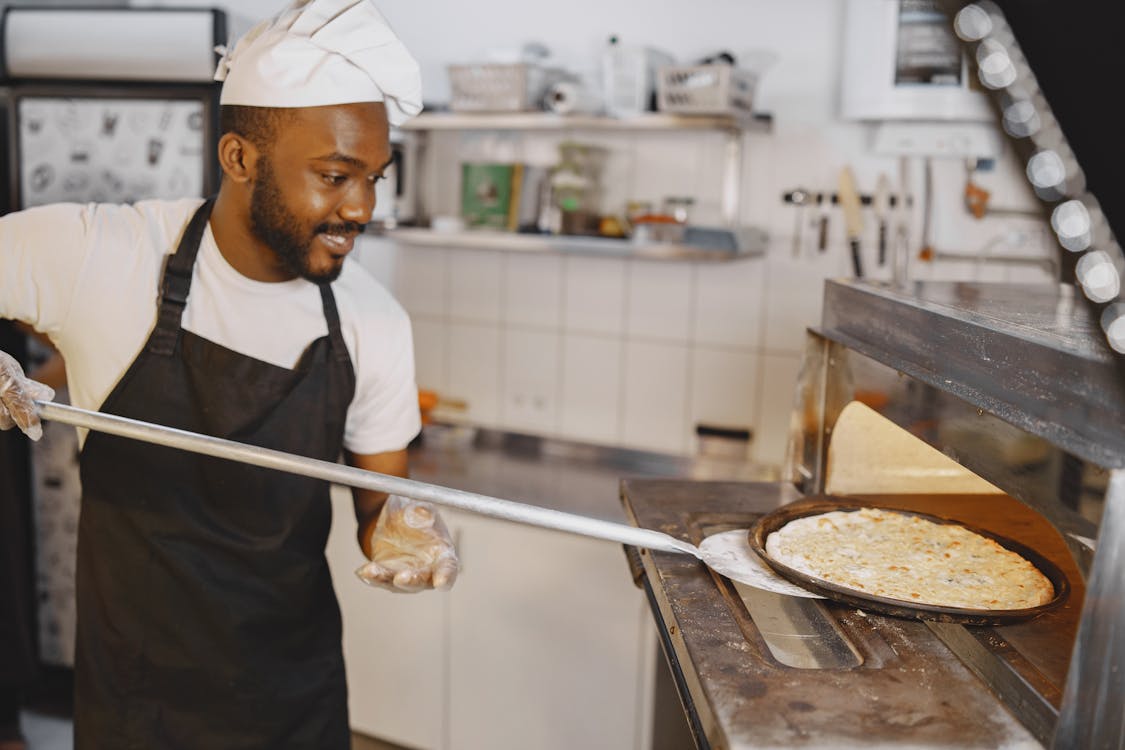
(543, 643)
(550, 643)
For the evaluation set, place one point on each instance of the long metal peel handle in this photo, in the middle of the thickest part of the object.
(350, 476)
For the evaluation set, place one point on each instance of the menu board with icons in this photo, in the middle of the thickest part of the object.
(109, 150)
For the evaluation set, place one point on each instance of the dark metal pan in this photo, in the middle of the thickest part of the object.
(897, 607)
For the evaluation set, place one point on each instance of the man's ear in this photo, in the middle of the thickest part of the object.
(238, 157)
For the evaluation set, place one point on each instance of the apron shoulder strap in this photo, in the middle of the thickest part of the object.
(332, 317)
(176, 283)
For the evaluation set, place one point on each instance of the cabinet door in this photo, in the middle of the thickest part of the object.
(395, 646)
(551, 645)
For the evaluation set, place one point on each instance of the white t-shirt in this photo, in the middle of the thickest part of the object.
(88, 276)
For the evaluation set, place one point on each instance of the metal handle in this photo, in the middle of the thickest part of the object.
(349, 476)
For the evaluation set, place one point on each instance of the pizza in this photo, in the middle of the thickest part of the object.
(902, 556)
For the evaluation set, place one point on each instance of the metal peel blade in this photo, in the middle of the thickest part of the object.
(728, 553)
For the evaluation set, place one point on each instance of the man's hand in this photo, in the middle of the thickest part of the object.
(18, 395)
(410, 549)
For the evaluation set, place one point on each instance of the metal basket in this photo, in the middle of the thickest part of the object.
(499, 87)
(706, 89)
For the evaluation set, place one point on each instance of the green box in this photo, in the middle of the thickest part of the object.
(488, 195)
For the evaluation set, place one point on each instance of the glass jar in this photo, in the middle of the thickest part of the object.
(679, 207)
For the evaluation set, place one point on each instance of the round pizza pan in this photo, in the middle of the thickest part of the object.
(771, 522)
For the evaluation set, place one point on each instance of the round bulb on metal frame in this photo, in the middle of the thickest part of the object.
(1113, 323)
(1046, 170)
(1098, 276)
(1071, 222)
(972, 23)
(1020, 118)
(994, 66)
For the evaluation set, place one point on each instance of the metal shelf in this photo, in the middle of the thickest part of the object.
(730, 242)
(710, 245)
(550, 121)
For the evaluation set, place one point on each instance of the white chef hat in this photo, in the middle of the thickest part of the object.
(319, 52)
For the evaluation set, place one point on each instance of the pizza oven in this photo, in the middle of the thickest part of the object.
(993, 405)
(998, 406)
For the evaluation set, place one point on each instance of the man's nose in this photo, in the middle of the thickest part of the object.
(359, 203)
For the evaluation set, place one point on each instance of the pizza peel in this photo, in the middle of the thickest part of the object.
(717, 558)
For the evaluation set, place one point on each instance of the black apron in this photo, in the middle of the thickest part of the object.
(206, 613)
(19, 650)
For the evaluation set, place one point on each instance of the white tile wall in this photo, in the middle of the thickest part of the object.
(793, 297)
(729, 303)
(779, 383)
(659, 300)
(530, 393)
(667, 164)
(430, 353)
(592, 388)
(656, 391)
(594, 295)
(636, 353)
(473, 370)
(533, 287)
(475, 285)
(422, 281)
(707, 210)
(379, 256)
(724, 388)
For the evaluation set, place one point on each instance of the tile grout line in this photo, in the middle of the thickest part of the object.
(689, 376)
(560, 365)
(446, 319)
(502, 347)
(623, 357)
(759, 395)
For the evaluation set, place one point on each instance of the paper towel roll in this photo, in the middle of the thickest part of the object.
(568, 97)
(111, 44)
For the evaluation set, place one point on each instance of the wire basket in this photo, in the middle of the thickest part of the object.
(706, 89)
(500, 87)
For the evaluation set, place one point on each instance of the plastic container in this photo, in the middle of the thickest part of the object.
(716, 89)
(500, 87)
(629, 77)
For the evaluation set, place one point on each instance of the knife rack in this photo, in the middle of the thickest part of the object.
(834, 198)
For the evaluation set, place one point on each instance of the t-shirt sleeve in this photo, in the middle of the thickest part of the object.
(43, 251)
(384, 413)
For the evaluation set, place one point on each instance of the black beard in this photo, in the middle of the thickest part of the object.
(277, 230)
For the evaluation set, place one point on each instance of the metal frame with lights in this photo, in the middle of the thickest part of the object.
(1090, 707)
(1052, 168)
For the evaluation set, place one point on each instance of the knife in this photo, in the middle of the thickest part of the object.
(823, 206)
(853, 218)
(881, 203)
(799, 198)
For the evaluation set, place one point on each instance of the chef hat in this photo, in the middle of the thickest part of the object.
(318, 52)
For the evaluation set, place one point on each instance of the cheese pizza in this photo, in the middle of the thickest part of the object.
(902, 556)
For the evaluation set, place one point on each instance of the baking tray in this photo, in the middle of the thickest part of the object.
(771, 522)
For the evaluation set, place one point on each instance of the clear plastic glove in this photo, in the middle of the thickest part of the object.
(410, 549)
(18, 395)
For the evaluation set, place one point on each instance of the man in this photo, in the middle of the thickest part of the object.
(206, 614)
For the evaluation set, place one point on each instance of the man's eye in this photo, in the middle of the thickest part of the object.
(376, 178)
(334, 179)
